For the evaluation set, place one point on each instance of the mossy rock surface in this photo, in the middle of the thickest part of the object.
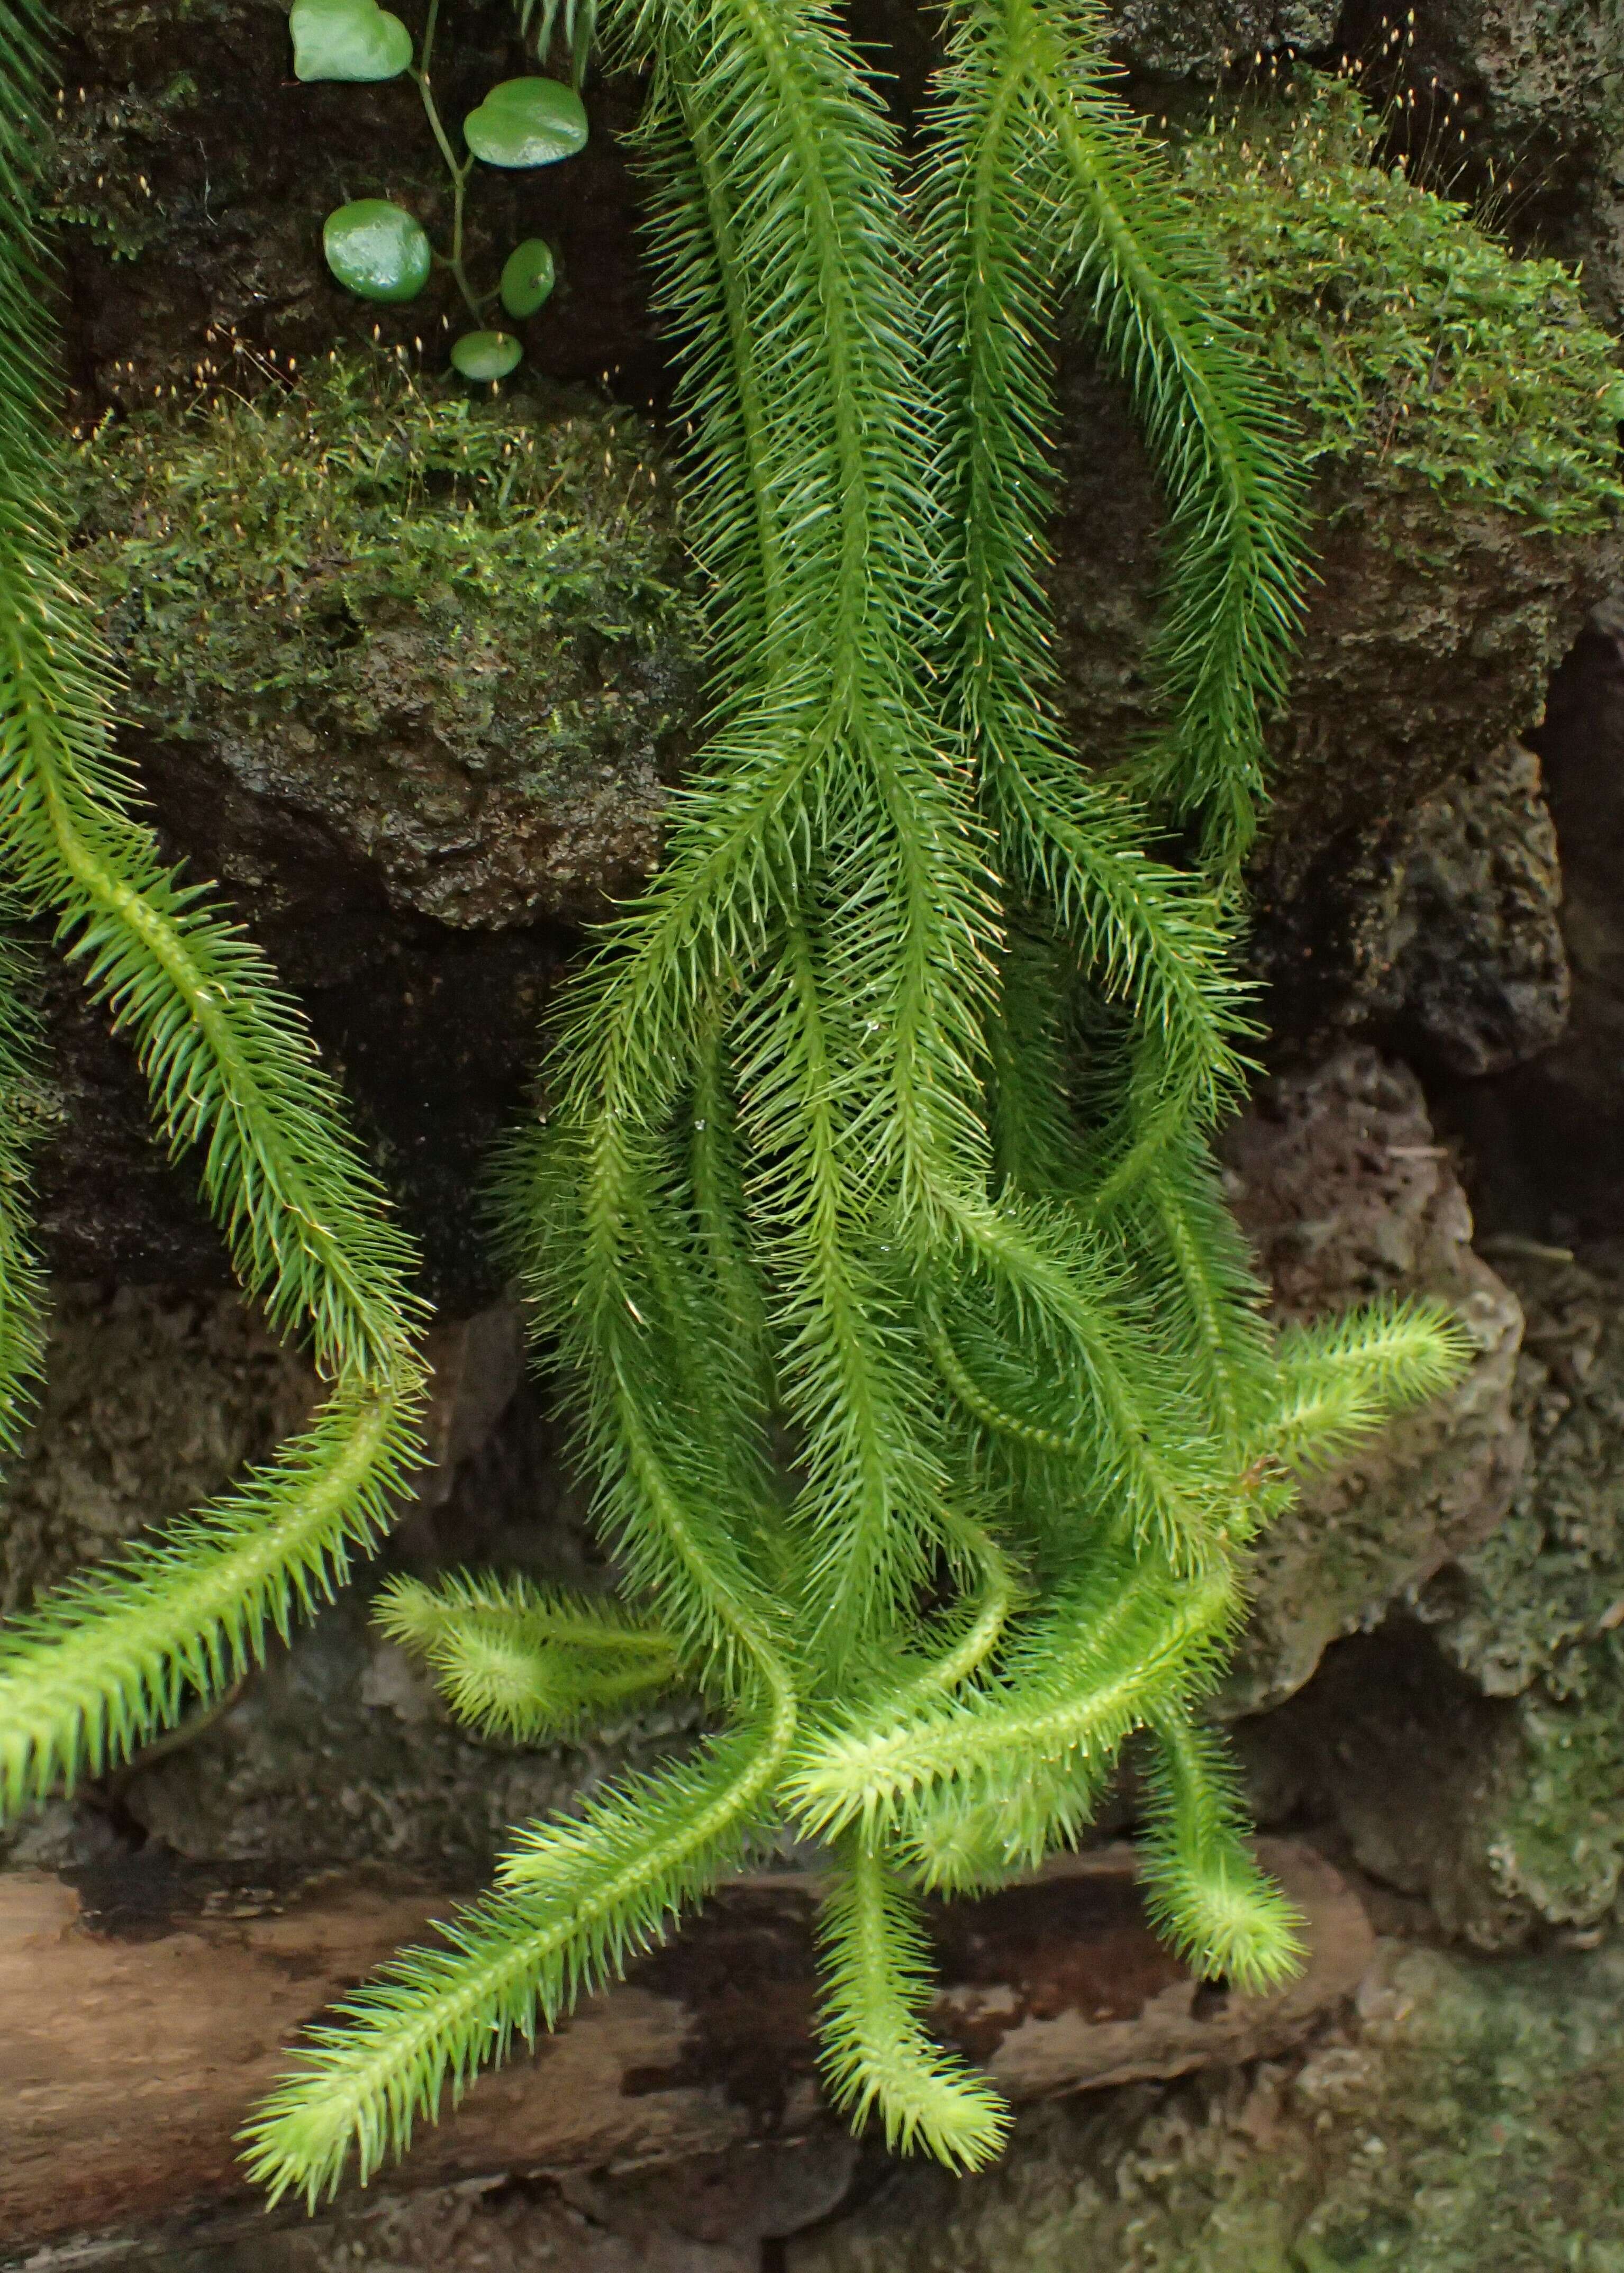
(451, 636)
(371, 701)
(1464, 2123)
(1458, 421)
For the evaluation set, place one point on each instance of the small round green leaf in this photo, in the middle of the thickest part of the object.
(348, 39)
(486, 355)
(526, 121)
(377, 250)
(527, 276)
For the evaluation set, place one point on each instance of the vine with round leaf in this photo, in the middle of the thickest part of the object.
(380, 250)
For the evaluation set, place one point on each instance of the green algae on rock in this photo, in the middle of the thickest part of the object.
(453, 635)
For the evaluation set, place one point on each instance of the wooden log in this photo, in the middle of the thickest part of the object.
(143, 2012)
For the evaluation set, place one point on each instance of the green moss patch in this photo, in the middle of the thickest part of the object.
(246, 543)
(1408, 339)
(457, 631)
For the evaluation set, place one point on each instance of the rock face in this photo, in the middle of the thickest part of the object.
(1548, 1139)
(1448, 2127)
(1337, 1179)
(412, 753)
(1538, 85)
(457, 660)
(1458, 955)
(154, 1399)
(1473, 1751)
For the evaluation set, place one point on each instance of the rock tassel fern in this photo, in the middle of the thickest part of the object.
(871, 1222)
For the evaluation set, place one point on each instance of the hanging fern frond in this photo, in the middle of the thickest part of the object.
(524, 1664)
(873, 1184)
(1202, 1884)
(875, 2053)
(576, 1903)
(232, 1074)
(22, 1280)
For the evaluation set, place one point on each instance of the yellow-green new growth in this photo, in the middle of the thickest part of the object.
(917, 1364)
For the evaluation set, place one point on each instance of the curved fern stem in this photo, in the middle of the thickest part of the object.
(1203, 1886)
(868, 1774)
(577, 1901)
(232, 1071)
(877, 2056)
(116, 1653)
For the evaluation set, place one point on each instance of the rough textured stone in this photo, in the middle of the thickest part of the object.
(1459, 947)
(1473, 1751)
(1173, 39)
(1453, 2125)
(452, 645)
(1433, 629)
(1546, 1140)
(1539, 87)
(154, 1398)
(1336, 1177)
(340, 1752)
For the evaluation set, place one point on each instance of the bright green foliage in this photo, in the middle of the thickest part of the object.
(347, 40)
(526, 121)
(1404, 335)
(916, 1357)
(1202, 1883)
(22, 1341)
(380, 251)
(231, 1072)
(524, 1665)
(377, 251)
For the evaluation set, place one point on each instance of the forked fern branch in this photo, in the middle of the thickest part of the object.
(919, 1370)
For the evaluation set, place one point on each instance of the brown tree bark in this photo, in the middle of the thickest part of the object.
(144, 2012)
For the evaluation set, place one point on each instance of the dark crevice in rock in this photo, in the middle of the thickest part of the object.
(1543, 1141)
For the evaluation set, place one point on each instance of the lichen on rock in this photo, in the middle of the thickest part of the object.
(1460, 2123)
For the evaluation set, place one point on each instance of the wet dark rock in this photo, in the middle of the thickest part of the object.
(1172, 40)
(1537, 86)
(1432, 628)
(154, 1398)
(1546, 1140)
(222, 246)
(1459, 945)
